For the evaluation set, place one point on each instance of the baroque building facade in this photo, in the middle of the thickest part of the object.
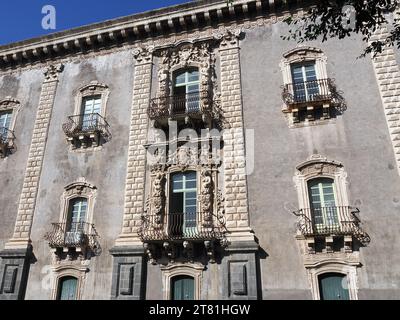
(190, 153)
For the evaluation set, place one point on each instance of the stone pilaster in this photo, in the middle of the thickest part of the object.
(236, 205)
(388, 77)
(129, 279)
(27, 202)
(15, 258)
(136, 172)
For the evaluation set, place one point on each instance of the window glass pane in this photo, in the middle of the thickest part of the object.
(191, 195)
(193, 76)
(5, 119)
(78, 210)
(191, 176)
(177, 177)
(180, 79)
(191, 184)
(177, 185)
(91, 105)
(192, 90)
(190, 202)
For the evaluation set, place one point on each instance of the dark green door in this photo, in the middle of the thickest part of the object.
(333, 286)
(183, 288)
(67, 288)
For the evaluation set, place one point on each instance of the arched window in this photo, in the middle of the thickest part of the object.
(186, 87)
(183, 203)
(67, 288)
(323, 203)
(333, 286)
(182, 288)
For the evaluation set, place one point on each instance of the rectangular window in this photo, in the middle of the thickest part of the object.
(5, 123)
(183, 203)
(305, 82)
(91, 109)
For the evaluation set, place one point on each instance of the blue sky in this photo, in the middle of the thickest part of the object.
(22, 19)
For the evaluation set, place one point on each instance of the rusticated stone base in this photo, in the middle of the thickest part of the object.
(14, 270)
(129, 273)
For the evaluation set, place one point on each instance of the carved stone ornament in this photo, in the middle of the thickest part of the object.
(228, 37)
(196, 55)
(143, 54)
(52, 71)
(81, 188)
(206, 197)
(319, 165)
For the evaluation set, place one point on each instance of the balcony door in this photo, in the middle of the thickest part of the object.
(67, 288)
(5, 123)
(76, 221)
(333, 286)
(305, 84)
(91, 109)
(323, 204)
(182, 288)
(186, 91)
(183, 204)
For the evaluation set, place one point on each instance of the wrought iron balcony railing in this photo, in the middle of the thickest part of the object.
(85, 124)
(308, 92)
(334, 220)
(182, 226)
(7, 138)
(177, 105)
(79, 235)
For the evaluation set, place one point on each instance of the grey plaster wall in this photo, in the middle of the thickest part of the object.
(359, 139)
(25, 87)
(104, 168)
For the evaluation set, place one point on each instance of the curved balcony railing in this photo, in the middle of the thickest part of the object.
(333, 220)
(7, 138)
(182, 226)
(79, 235)
(176, 105)
(86, 124)
(308, 91)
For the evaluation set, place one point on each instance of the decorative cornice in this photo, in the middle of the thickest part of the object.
(154, 25)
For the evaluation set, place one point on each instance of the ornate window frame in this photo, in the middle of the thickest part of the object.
(332, 265)
(77, 271)
(79, 189)
(329, 98)
(183, 56)
(318, 166)
(301, 55)
(13, 105)
(182, 269)
(94, 88)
